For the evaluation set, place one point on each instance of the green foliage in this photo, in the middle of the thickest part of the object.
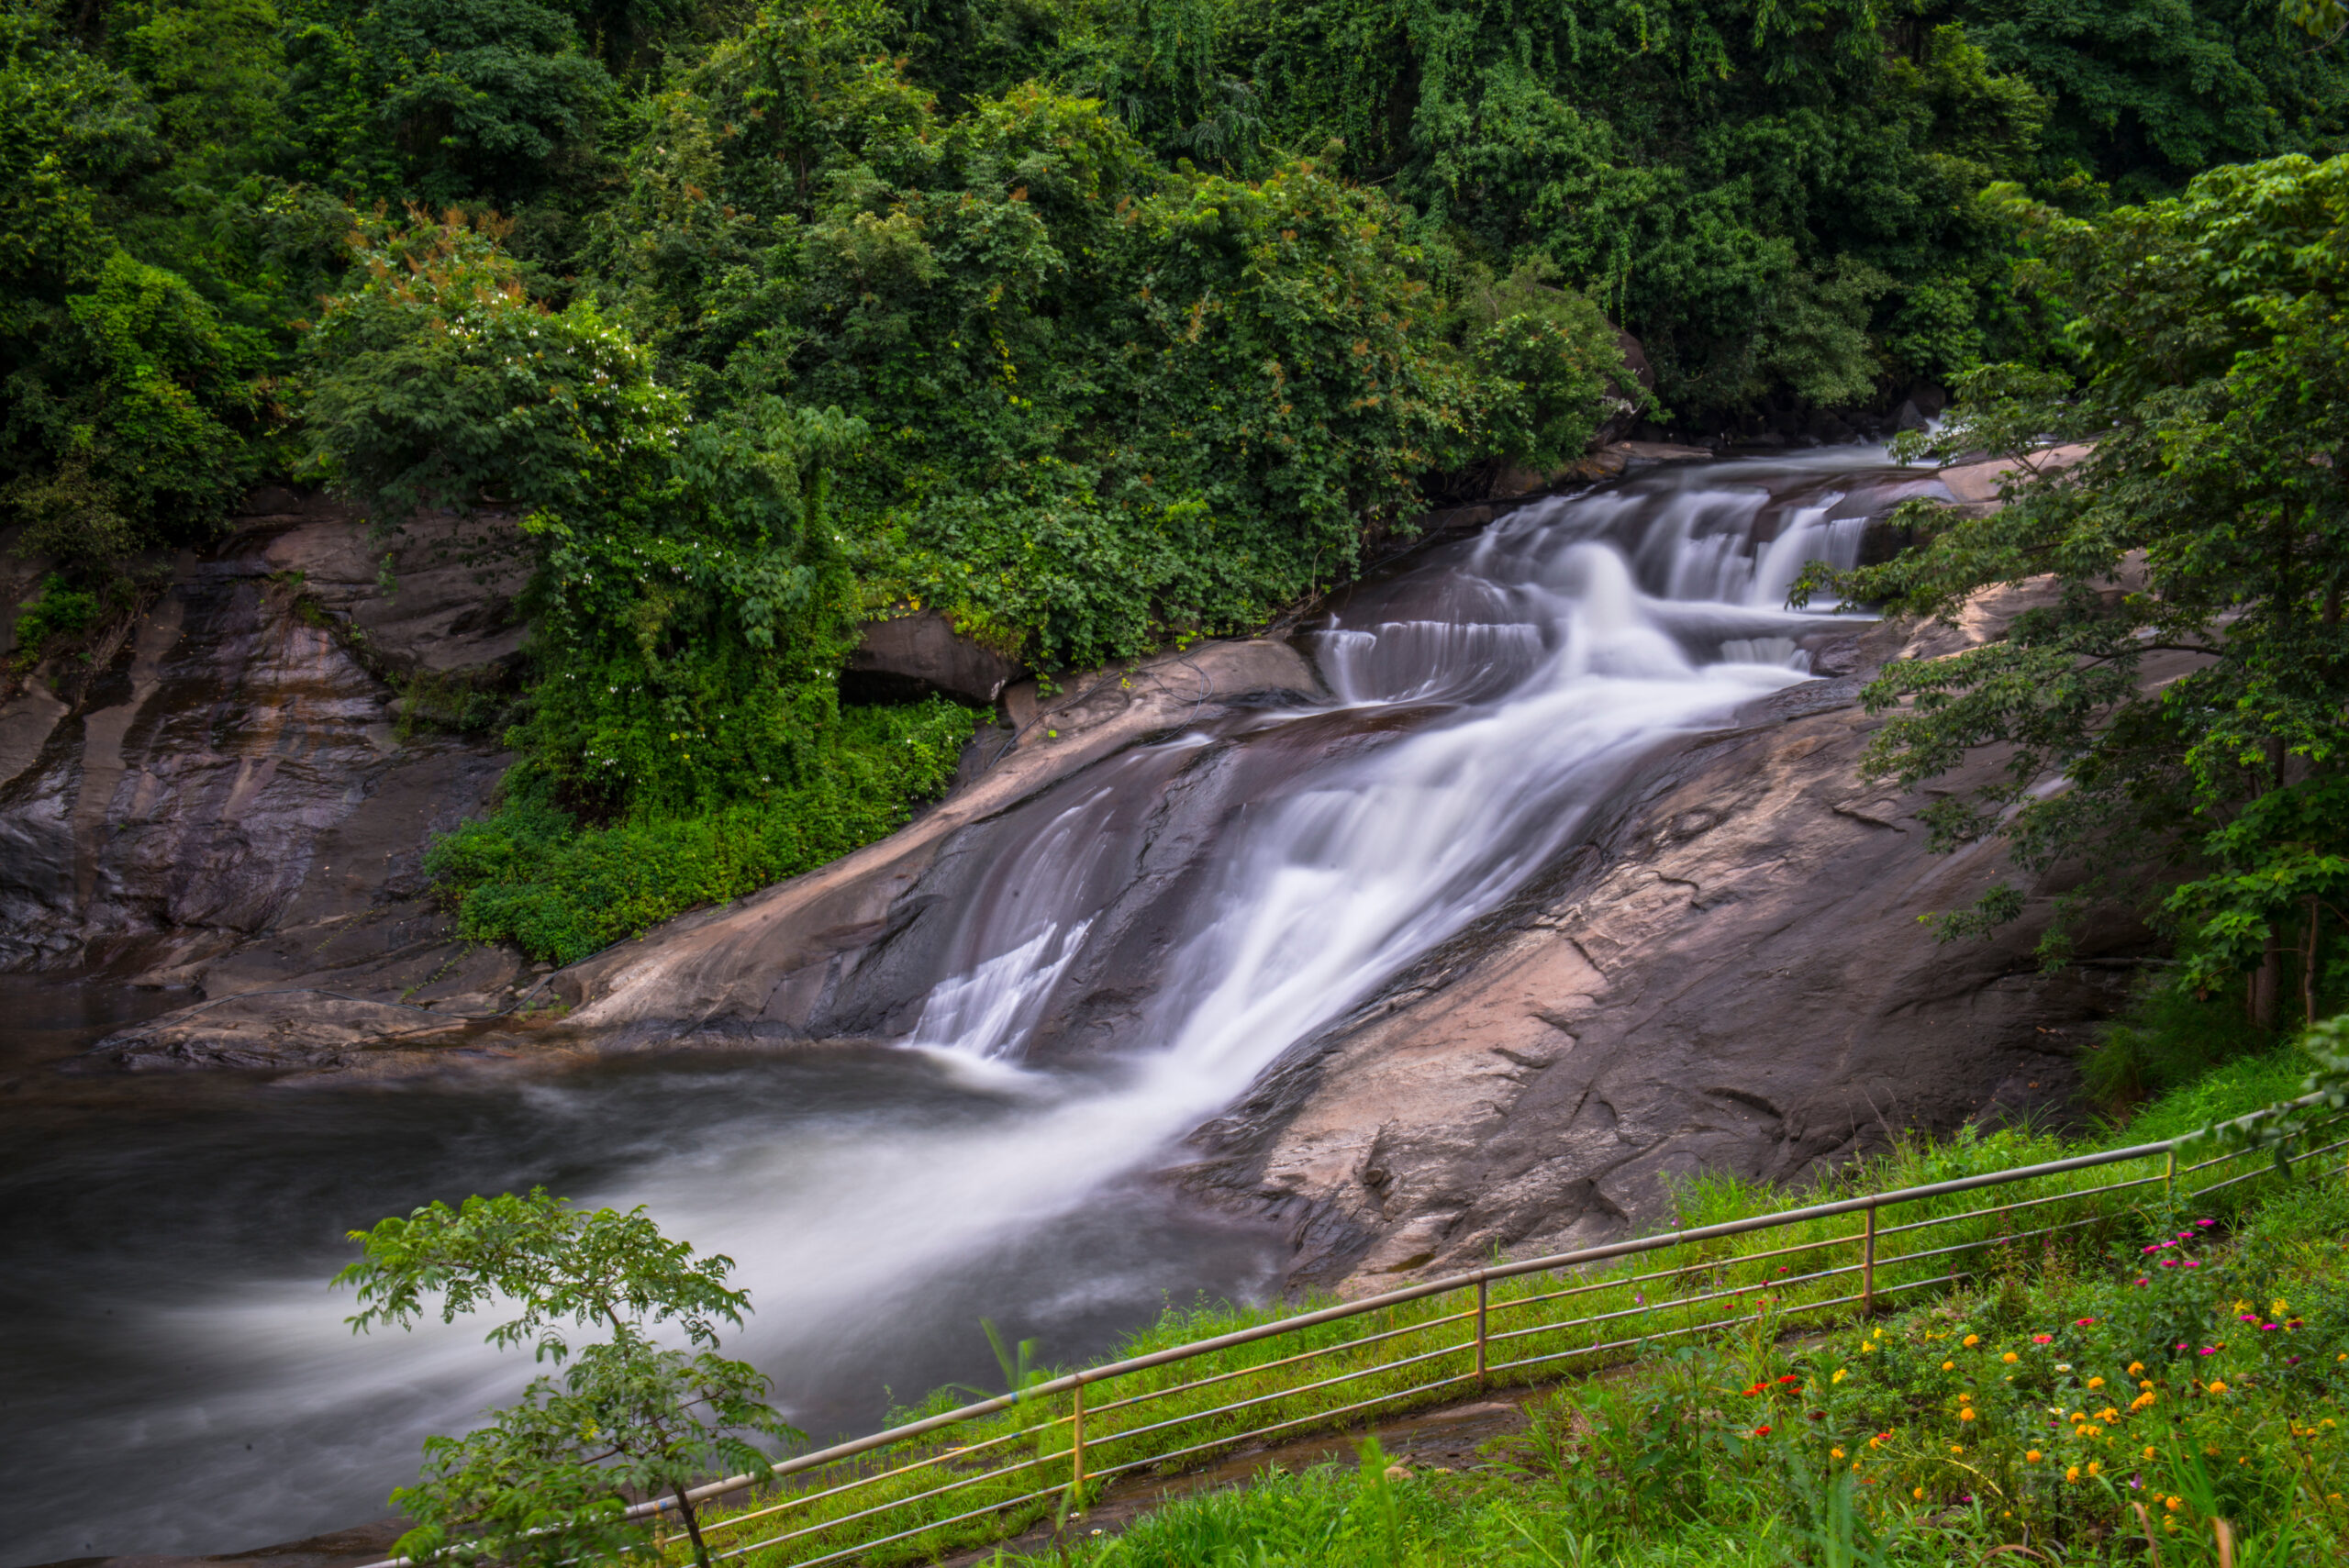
(2203, 526)
(442, 102)
(1091, 326)
(685, 742)
(438, 382)
(531, 875)
(548, 1480)
(2170, 1038)
(141, 398)
(58, 610)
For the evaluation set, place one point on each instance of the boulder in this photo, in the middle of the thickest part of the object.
(913, 655)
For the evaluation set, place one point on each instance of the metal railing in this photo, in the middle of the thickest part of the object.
(963, 1477)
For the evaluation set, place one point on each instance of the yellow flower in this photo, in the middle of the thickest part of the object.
(2073, 1473)
(1954, 1449)
(1876, 1442)
(2210, 1450)
(1840, 1374)
(1834, 1454)
(2278, 1307)
(2173, 1504)
(1971, 1340)
(2033, 1457)
(2149, 1451)
(2217, 1388)
(1949, 1366)
(2097, 1467)
(2108, 1413)
(2096, 1382)
(2147, 1385)
(2079, 1415)
(1865, 1346)
(1918, 1492)
(2136, 1367)
(2011, 1358)
(1965, 1413)
(2143, 1401)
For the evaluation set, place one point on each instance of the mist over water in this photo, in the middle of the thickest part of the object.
(164, 1298)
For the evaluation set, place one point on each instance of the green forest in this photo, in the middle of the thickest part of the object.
(1094, 324)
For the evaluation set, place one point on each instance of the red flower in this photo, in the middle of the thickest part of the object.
(1761, 1431)
(2082, 1322)
(2043, 1338)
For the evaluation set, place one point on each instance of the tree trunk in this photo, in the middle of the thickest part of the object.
(693, 1528)
(2308, 965)
(2266, 980)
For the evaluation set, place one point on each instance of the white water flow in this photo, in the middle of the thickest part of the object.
(1494, 697)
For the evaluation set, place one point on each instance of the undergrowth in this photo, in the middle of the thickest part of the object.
(531, 874)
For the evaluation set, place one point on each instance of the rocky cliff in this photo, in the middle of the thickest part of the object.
(235, 789)
(1724, 971)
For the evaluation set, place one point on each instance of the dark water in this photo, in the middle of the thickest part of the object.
(174, 1375)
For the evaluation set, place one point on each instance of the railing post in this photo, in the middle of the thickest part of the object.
(1867, 1264)
(2169, 1177)
(1482, 1295)
(1076, 1452)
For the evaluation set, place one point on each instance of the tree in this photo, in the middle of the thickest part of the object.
(547, 1482)
(2207, 524)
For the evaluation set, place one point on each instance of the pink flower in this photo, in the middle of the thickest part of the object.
(2205, 1224)
(2192, 1264)
(2209, 1350)
(2082, 1322)
(2043, 1338)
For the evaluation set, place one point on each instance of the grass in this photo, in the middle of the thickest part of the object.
(2073, 1415)
(1676, 1313)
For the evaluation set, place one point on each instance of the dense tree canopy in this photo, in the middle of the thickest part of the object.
(1092, 323)
(2182, 693)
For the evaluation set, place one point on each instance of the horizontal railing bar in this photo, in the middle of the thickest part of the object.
(1285, 1360)
(1107, 1437)
(1731, 1261)
(943, 1456)
(1254, 1433)
(883, 1540)
(1884, 1263)
(2268, 1168)
(1701, 1327)
(887, 1504)
(1599, 1349)
(2015, 1208)
(1722, 1293)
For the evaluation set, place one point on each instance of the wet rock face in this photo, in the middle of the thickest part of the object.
(226, 800)
(1727, 977)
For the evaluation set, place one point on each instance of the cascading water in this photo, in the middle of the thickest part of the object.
(1489, 700)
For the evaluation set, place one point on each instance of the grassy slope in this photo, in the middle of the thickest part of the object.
(2091, 1395)
(1720, 1311)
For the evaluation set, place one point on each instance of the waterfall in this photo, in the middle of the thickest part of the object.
(1485, 701)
